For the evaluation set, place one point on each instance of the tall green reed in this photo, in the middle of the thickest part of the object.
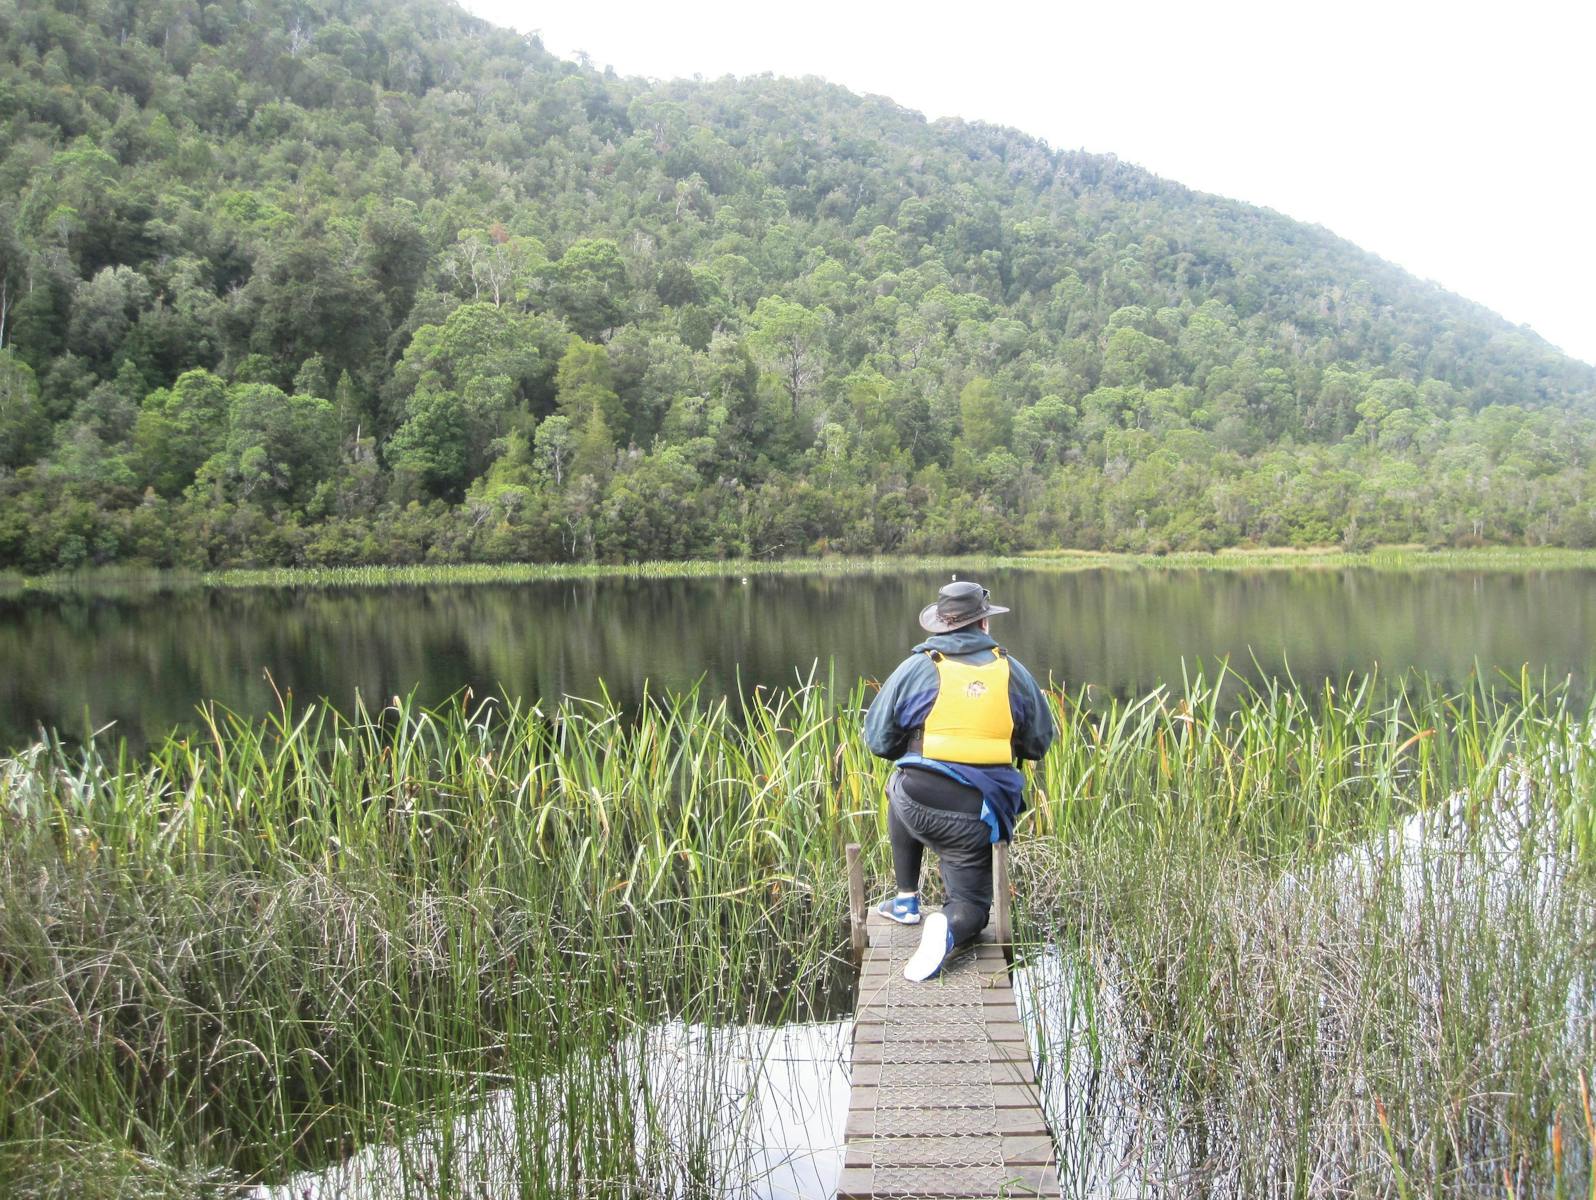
(1331, 944)
(281, 938)
(251, 950)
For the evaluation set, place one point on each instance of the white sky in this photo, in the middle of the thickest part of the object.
(1455, 139)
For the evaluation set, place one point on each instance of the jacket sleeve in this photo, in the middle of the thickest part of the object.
(1033, 720)
(900, 707)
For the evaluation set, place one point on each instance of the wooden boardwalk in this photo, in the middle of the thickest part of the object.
(944, 1102)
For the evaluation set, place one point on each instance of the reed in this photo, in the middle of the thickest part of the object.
(1333, 945)
(1256, 920)
(254, 950)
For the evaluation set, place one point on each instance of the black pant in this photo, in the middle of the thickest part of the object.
(962, 841)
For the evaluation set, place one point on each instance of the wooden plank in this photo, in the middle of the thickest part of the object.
(935, 1074)
(1031, 1150)
(1003, 895)
(856, 901)
(1014, 1122)
(901, 1049)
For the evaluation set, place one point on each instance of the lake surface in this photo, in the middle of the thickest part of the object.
(775, 1118)
(145, 658)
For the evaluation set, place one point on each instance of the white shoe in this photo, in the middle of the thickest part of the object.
(936, 943)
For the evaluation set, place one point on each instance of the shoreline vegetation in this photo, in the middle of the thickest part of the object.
(1381, 558)
(1328, 942)
(312, 283)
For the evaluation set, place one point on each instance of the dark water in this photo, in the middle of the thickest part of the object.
(144, 659)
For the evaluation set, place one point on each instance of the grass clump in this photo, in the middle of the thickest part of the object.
(1328, 943)
(1325, 945)
(248, 954)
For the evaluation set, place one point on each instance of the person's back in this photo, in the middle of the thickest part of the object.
(954, 716)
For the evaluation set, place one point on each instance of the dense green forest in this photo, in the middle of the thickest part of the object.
(338, 281)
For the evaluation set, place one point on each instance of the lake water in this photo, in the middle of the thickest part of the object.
(774, 1116)
(143, 658)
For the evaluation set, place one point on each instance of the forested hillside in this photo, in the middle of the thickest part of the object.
(337, 281)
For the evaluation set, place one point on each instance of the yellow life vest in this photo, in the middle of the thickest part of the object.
(971, 721)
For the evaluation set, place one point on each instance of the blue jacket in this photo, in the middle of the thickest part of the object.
(906, 699)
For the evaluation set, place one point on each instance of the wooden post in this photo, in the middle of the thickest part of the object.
(856, 902)
(1003, 896)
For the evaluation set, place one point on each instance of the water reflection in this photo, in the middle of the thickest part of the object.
(1329, 985)
(773, 1100)
(1127, 1123)
(145, 659)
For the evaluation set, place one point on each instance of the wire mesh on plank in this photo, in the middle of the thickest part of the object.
(966, 1050)
(907, 1122)
(965, 1095)
(938, 1181)
(931, 1026)
(937, 1151)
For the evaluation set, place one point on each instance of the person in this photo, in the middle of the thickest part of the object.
(954, 716)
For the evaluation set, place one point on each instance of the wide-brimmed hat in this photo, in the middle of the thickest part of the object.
(958, 604)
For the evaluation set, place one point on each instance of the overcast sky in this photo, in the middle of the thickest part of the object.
(1455, 139)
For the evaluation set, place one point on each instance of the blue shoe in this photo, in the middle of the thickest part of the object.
(936, 943)
(905, 910)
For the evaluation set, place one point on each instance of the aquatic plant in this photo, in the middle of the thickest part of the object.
(252, 952)
(1328, 943)
(1380, 558)
(1324, 945)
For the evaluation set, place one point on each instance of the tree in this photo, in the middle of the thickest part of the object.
(103, 311)
(1208, 340)
(593, 451)
(1041, 431)
(178, 429)
(1132, 358)
(278, 447)
(431, 445)
(986, 419)
(13, 276)
(23, 425)
(311, 378)
(552, 447)
(394, 253)
(1383, 398)
(788, 340)
(474, 370)
(649, 512)
(833, 324)
(589, 287)
(494, 265)
(583, 386)
(311, 296)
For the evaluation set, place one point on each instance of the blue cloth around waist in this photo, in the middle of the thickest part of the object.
(1002, 789)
